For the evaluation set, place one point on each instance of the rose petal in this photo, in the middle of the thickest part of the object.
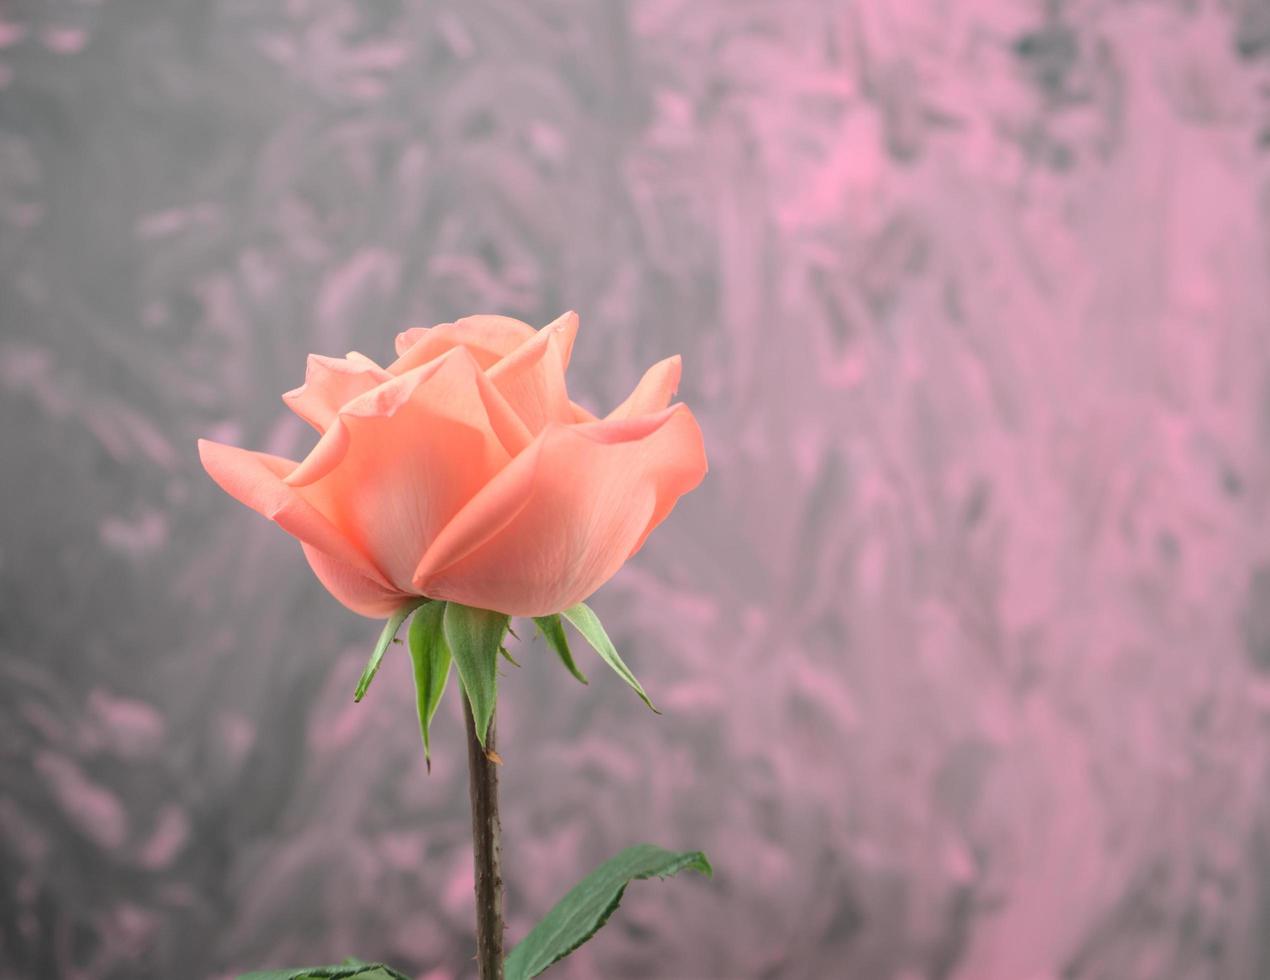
(257, 480)
(330, 383)
(654, 391)
(566, 324)
(391, 396)
(359, 593)
(561, 519)
(668, 496)
(398, 462)
(531, 378)
(488, 337)
(408, 338)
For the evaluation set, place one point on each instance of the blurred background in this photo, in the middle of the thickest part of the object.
(964, 644)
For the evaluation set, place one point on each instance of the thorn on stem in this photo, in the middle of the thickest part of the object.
(494, 757)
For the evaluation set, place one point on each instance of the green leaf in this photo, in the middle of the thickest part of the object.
(431, 658)
(474, 636)
(350, 969)
(552, 631)
(580, 914)
(385, 638)
(588, 624)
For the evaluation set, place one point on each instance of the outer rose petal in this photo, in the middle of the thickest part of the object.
(257, 480)
(488, 337)
(351, 587)
(654, 391)
(330, 383)
(562, 518)
(401, 460)
(531, 378)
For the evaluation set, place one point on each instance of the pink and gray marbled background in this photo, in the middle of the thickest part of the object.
(964, 644)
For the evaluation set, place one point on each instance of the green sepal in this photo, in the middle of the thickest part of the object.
(351, 969)
(431, 658)
(474, 636)
(580, 914)
(507, 655)
(588, 624)
(552, 631)
(385, 638)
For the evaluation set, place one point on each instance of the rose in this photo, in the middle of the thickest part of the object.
(463, 472)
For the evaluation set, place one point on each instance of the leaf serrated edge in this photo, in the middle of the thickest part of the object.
(342, 971)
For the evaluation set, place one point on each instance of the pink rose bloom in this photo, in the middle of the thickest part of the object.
(462, 471)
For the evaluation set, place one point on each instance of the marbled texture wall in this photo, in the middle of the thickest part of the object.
(964, 644)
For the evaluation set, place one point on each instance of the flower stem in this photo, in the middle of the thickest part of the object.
(486, 849)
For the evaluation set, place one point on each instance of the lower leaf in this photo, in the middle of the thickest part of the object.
(350, 969)
(580, 914)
